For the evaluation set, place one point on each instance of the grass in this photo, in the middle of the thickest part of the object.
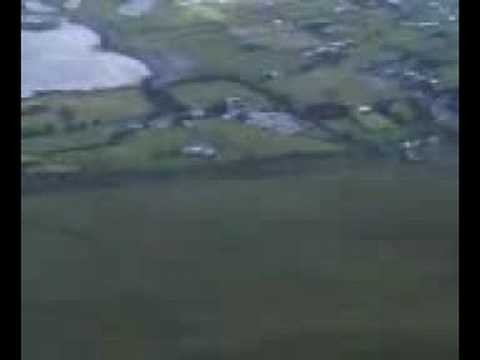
(213, 50)
(238, 141)
(376, 122)
(373, 129)
(65, 141)
(157, 149)
(344, 127)
(30, 160)
(105, 106)
(317, 85)
(329, 264)
(402, 111)
(449, 75)
(160, 149)
(205, 95)
(274, 37)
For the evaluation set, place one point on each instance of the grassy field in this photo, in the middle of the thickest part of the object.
(104, 106)
(160, 149)
(205, 95)
(340, 264)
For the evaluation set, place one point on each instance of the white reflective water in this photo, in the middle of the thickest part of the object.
(69, 58)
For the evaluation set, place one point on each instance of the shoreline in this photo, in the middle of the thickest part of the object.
(99, 48)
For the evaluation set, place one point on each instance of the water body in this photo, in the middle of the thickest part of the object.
(69, 58)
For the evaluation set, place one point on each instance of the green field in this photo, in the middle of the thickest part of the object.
(325, 265)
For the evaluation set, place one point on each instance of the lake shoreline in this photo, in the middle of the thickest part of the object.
(100, 48)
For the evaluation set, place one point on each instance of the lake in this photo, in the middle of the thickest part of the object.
(69, 58)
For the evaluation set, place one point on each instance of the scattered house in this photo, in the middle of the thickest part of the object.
(422, 24)
(417, 80)
(282, 123)
(410, 73)
(410, 151)
(418, 149)
(270, 74)
(203, 151)
(279, 122)
(428, 24)
(432, 140)
(333, 51)
(197, 113)
(321, 50)
(134, 126)
(411, 144)
(364, 109)
(417, 76)
(342, 44)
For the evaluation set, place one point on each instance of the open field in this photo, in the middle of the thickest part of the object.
(338, 264)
